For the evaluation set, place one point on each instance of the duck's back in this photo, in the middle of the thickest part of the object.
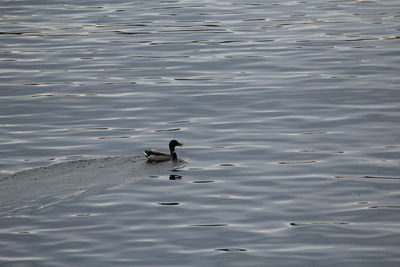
(153, 152)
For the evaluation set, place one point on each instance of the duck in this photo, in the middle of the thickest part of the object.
(158, 156)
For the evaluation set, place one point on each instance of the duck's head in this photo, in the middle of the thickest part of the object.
(173, 144)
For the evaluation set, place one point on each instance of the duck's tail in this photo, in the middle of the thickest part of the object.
(147, 153)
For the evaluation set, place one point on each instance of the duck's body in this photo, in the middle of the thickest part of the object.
(158, 156)
(155, 155)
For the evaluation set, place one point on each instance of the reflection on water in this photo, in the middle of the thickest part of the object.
(289, 110)
(175, 177)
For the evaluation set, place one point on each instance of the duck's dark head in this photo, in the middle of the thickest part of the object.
(173, 144)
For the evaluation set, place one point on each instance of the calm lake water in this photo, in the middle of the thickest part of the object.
(289, 111)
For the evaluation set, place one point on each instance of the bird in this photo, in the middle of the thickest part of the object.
(158, 156)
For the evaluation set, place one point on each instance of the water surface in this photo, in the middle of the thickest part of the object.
(289, 111)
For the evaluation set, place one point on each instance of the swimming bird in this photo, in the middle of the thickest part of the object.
(157, 156)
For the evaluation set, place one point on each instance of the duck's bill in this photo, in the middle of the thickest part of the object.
(180, 144)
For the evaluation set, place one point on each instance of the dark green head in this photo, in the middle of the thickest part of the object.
(173, 144)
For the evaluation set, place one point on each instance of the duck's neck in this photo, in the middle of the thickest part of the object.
(173, 153)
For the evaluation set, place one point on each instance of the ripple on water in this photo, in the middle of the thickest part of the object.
(289, 111)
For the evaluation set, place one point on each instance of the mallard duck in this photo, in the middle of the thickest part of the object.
(157, 156)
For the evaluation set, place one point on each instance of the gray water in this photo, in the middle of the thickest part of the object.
(289, 111)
